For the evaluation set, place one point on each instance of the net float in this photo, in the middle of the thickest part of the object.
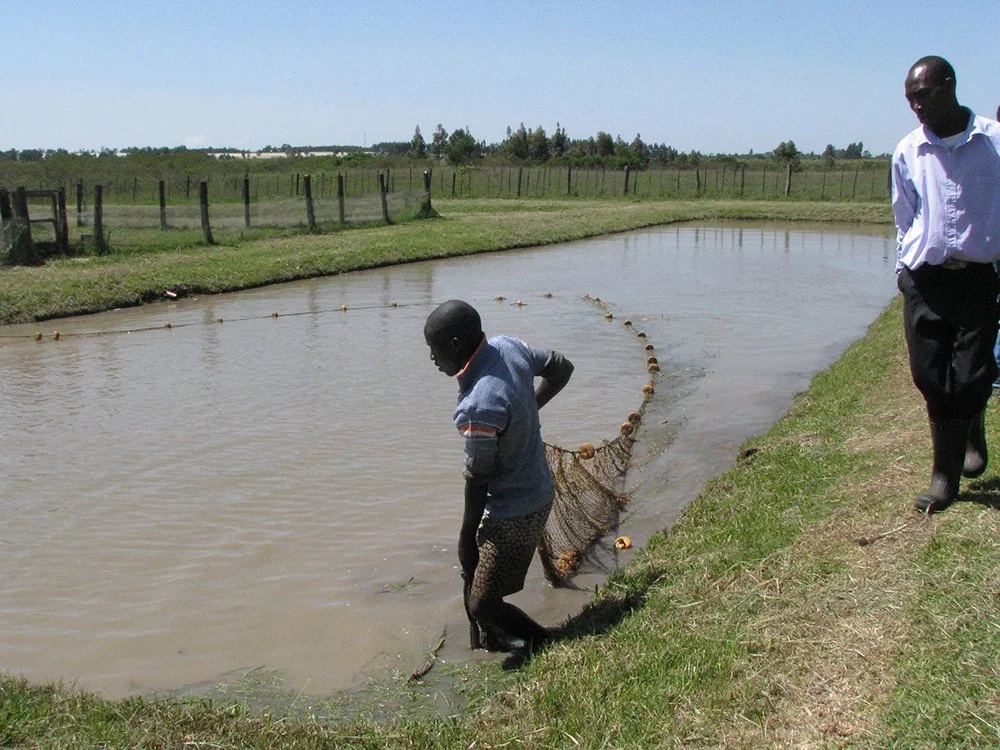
(627, 428)
(648, 389)
(587, 451)
(634, 417)
(623, 542)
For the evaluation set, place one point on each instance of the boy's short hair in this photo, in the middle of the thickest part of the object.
(454, 319)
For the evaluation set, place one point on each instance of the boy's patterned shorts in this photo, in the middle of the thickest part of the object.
(506, 546)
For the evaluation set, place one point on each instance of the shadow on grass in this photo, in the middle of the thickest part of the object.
(985, 492)
(596, 618)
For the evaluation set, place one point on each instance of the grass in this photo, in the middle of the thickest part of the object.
(799, 601)
(147, 263)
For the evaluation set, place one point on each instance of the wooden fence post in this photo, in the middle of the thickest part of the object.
(627, 171)
(340, 196)
(100, 243)
(310, 209)
(697, 182)
(788, 180)
(206, 228)
(62, 224)
(246, 202)
(519, 171)
(743, 177)
(22, 249)
(425, 204)
(569, 180)
(6, 213)
(854, 187)
(79, 203)
(163, 204)
(6, 221)
(382, 191)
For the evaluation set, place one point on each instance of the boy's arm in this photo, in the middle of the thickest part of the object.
(475, 504)
(554, 377)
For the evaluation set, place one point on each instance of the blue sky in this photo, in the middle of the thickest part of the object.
(708, 76)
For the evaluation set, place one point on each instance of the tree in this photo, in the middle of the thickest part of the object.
(438, 141)
(662, 153)
(605, 144)
(515, 146)
(854, 150)
(639, 150)
(418, 149)
(461, 148)
(787, 154)
(558, 143)
(538, 146)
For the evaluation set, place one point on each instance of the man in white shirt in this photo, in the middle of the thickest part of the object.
(946, 203)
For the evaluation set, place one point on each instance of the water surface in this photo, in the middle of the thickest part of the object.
(246, 490)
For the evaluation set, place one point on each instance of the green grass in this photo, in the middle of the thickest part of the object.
(145, 263)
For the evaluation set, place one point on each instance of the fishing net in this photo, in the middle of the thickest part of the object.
(589, 485)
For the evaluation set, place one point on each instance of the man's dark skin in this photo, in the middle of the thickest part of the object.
(930, 91)
(453, 332)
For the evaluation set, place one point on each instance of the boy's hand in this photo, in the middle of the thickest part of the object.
(468, 553)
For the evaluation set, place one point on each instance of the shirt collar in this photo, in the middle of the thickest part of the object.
(461, 374)
(971, 128)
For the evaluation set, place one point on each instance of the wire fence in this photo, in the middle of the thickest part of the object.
(68, 216)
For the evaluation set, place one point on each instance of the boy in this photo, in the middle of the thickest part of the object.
(508, 485)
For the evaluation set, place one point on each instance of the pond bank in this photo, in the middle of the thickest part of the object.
(87, 284)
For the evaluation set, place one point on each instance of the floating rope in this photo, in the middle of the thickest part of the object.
(589, 494)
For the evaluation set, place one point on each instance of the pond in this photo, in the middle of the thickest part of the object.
(270, 479)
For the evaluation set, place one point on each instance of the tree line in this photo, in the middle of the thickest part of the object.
(521, 146)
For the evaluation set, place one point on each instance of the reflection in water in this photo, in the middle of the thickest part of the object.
(285, 491)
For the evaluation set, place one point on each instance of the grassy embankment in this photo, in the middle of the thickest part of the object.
(798, 602)
(146, 263)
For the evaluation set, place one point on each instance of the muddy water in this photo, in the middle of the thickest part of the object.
(202, 487)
